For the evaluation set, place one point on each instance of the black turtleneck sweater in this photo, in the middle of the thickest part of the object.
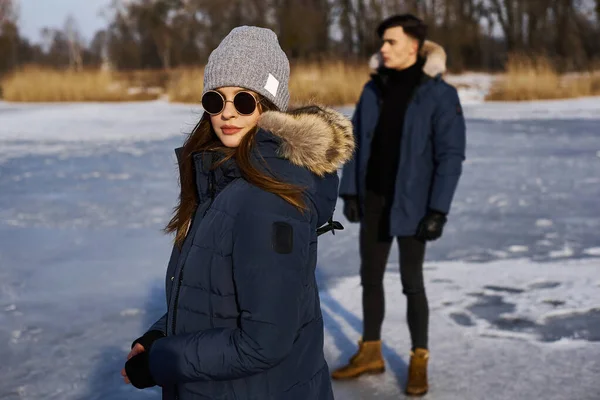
(397, 88)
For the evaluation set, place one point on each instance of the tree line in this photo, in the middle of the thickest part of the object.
(163, 34)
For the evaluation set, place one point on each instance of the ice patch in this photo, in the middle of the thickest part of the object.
(118, 177)
(134, 151)
(472, 87)
(542, 284)
(564, 252)
(543, 223)
(568, 313)
(518, 249)
(92, 175)
(554, 303)
(581, 108)
(493, 300)
(567, 343)
(505, 289)
(131, 312)
(10, 307)
(498, 253)
(25, 334)
(499, 200)
(593, 251)
(64, 129)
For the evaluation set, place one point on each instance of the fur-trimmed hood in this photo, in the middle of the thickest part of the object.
(305, 147)
(317, 138)
(433, 53)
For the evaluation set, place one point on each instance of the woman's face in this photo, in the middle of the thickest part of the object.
(229, 125)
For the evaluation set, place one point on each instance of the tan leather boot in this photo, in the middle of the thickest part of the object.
(368, 360)
(417, 373)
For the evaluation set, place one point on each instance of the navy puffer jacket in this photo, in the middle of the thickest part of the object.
(244, 319)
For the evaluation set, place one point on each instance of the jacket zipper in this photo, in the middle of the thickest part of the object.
(212, 191)
(211, 188)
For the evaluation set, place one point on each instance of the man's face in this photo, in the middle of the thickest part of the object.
(399, 51)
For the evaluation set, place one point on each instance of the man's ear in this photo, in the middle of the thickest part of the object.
(414, 46)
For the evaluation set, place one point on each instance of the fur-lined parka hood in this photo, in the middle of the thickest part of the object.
(304, 147)
(317, 138)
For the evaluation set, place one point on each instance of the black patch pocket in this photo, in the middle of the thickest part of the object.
(282, 238)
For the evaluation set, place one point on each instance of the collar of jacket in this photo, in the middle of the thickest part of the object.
(317, 138)
(380, 81)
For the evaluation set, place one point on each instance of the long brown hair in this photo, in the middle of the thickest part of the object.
(204, 138)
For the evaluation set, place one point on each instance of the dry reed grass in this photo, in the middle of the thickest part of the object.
(535, 78)
(34, 84)
(330, 83)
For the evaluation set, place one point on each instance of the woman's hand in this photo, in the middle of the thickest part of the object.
(137, 349)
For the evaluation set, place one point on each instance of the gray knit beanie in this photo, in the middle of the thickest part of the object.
(250, 57)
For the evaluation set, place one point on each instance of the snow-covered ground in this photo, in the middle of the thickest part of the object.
(503, 330)
(472, 86)
(514, 284)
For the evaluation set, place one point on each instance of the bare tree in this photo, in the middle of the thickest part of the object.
(75, 42)
(153, 17)
(170, 33)
(8, 11)
(347, 26)
(506, 13)
(9, 35)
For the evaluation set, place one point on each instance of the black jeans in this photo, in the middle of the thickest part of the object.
(375, 244)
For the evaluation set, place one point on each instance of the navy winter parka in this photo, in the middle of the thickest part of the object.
(432, 151)
(244, 318)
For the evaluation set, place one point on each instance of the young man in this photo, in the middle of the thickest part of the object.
(410, 134)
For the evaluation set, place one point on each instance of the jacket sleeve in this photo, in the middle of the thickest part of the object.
(269, 262)
(350, 173)
(160, 325)
(449, 142)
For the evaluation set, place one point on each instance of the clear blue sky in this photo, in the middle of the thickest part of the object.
(37, 14)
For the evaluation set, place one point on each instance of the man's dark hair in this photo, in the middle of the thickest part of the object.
(412, 26)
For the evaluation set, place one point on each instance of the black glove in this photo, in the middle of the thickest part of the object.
(351, 208)
(138, 371)
(431, 226)
(148, 338)
(138, 366)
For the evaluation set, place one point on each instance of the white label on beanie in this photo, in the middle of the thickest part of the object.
(272, 85)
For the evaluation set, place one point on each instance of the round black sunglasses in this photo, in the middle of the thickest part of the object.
(214, 102)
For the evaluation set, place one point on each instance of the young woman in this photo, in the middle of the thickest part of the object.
(244, 319)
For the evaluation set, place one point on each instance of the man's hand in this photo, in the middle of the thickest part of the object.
(351, 208)
(431, 226)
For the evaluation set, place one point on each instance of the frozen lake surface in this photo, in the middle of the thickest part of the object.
(514, 284)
